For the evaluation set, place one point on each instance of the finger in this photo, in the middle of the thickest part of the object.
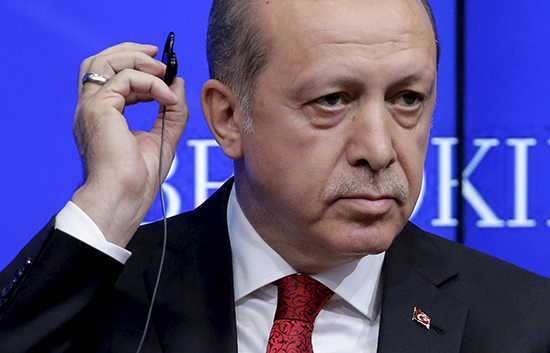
(130, 46)
(109, 65)
(177, 116)
(132, 86)
(148, 50)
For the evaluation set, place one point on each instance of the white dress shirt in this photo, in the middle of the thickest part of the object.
(349, 322)
(72, 220)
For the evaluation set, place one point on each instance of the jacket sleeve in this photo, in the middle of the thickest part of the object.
(52, 291)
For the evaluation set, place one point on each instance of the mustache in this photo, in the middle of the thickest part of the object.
(365, 181)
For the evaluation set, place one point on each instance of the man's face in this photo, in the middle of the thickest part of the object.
(341, 120)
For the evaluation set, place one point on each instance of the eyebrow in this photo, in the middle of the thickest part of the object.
(412, 79)
(351, 81)
(407, 80)
(314, 82)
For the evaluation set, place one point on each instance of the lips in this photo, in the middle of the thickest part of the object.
(368, 205)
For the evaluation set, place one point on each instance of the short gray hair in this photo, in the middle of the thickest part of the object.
(432, 20)
(238, 49)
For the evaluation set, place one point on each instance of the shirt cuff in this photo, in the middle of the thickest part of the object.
(75, 222)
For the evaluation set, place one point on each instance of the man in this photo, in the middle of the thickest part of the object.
(328, 126)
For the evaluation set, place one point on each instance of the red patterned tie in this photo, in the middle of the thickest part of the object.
(300, 299)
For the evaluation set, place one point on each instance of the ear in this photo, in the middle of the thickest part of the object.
(221, 109)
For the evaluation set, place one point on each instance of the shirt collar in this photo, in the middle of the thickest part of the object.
(256, 264)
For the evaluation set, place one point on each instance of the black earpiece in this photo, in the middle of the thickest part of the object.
(169, 58)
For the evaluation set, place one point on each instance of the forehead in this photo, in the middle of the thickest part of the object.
(379, 26)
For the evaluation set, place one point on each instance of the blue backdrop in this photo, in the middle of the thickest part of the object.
(506, 135)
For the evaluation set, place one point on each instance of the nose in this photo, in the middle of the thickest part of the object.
(370, 141)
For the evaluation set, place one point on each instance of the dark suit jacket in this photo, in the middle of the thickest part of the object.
(72, 297)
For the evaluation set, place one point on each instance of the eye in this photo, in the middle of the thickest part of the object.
(409, 100)
(330, 100)
(408, 107)
(329, 110)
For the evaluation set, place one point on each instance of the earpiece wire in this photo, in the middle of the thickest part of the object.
(165, 226)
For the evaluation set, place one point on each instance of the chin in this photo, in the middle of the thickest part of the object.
(369, 240)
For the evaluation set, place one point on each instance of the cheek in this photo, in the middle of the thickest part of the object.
(294, 164)
(411, 153)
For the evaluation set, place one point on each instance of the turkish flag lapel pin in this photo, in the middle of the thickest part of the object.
(421, 318)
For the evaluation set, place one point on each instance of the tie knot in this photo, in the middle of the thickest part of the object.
(300, 297)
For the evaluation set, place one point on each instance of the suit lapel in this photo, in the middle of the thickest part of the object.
(415, 272)
(195, 306)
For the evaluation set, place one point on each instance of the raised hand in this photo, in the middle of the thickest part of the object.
(121, 166)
